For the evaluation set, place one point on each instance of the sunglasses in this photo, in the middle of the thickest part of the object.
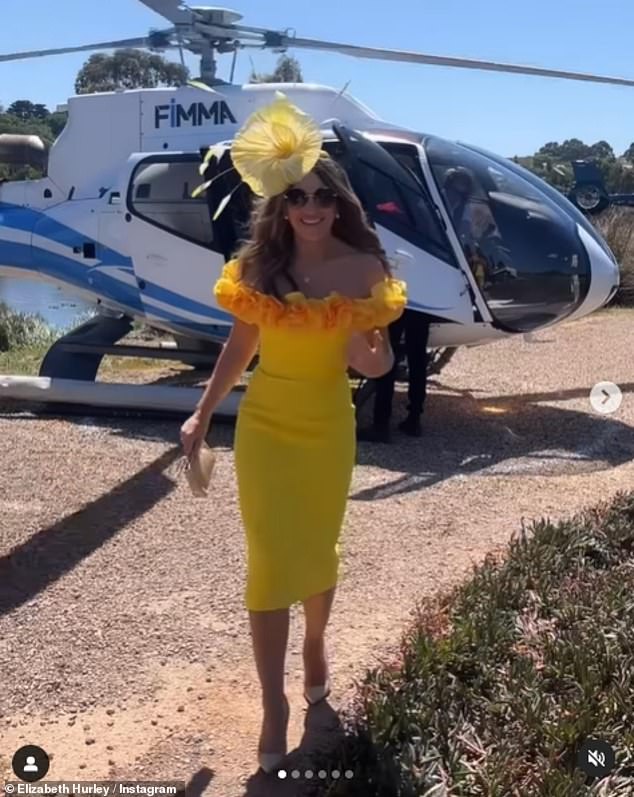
(323, 197)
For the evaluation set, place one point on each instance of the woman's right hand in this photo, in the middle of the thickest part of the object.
(193, 432)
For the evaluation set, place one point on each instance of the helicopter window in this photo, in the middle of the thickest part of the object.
(407, 156)
(143, 191)
(390, 185)
(406, 213)
(523, 247)
(556, 196)
(160, 193)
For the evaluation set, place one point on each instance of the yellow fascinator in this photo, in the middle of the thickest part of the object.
(277, 146)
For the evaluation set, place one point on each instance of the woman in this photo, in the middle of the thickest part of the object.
(313, 290)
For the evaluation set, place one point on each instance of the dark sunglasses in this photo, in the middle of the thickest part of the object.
(323, 197)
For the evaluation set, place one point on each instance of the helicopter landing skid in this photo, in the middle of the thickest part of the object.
(78, 354)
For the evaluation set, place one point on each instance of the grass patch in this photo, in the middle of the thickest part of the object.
(27, 362)
(617, 227)
(25, 339)
(24, 361)
(22, 330)
(500, 682)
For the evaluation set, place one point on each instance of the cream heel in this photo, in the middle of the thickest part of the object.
(270, 761)
(315, 694)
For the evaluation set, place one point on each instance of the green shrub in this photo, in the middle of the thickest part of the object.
(500, 682)
(22, 330)
(617, 227)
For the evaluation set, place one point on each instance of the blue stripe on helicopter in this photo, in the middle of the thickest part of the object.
(38, 223)
(161, 294)
(26, 219)
(67, 270)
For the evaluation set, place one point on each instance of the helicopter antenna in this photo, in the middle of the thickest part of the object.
(233, 65)
(181, 52)
(253, 70)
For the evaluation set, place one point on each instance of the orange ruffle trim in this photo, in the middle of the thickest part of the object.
(385, 304)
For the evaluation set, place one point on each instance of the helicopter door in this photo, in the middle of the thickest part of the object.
(231, 227)
(176, 260)
(408, 225)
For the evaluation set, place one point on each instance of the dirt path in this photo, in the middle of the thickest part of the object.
(124, 645)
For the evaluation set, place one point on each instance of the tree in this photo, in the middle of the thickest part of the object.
(551, 149)
(287, 70)
(629, 153)
(602, 151)
(128, 69)
(26, 118)
(552, 163)
(57, 121)
(25, 109)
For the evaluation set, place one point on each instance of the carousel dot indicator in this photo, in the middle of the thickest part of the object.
(335, 773)
(309, 773)
(295, 774)
(281, 774)
(322, 773)
(349, 774)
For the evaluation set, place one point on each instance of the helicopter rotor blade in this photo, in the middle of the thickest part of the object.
(283, 41)
(200, 28)
(112, 45)
(173, 10)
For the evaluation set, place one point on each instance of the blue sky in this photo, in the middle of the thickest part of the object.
(508, 114)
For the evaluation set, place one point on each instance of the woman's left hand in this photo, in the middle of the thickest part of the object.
(370, 354)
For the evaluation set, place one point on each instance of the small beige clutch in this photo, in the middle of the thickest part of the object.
(199, 469)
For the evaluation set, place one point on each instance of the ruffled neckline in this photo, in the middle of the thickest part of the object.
(292, 296)
(385, 304)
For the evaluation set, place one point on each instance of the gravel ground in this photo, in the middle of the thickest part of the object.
(124, 644)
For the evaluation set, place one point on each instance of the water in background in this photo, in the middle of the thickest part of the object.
(58, 307)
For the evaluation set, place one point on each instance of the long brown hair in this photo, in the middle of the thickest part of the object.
(268, 253)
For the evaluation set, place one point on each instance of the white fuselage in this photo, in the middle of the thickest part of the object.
(92, 224)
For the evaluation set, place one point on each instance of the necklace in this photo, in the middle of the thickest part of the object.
(303, 278)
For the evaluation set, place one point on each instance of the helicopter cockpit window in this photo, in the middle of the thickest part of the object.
(405, 212)
(522, 247)
(394, 194)
(160, 193)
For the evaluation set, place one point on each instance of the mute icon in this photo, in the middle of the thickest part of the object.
(596, 758)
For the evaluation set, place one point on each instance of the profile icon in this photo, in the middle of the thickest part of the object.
(30, 763)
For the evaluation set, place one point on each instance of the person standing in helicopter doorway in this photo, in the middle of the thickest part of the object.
(414, 326)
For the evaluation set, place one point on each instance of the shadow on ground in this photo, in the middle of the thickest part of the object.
(48, 554)
(322, 732)
(512, 435)
(197, 784)
(464, 434)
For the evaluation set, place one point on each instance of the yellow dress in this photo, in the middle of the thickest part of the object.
(295, 441)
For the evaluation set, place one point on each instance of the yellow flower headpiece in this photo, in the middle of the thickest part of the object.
(277, 146)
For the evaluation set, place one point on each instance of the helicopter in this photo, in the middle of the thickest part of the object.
(487, 249)
(589, 192)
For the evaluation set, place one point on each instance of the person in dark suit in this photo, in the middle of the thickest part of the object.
(414, 327)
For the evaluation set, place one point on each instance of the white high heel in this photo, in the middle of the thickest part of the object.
(270, 761)
(315, 694)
